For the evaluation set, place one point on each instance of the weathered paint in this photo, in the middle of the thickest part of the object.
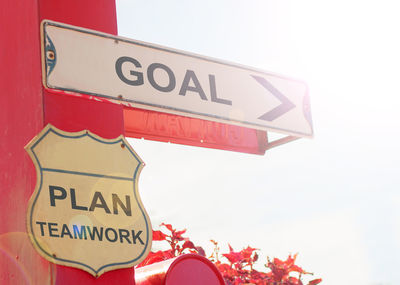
(158, 126)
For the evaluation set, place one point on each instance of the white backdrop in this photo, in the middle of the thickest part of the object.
(335, 198)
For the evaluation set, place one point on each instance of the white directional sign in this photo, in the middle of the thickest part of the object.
(167, 80)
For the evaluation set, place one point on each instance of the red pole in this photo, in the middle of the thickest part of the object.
(26, 107)
(21, 118)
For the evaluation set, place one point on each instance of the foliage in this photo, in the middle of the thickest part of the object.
(239, 268)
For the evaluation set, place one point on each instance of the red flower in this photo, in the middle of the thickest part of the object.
(240, 270)
(159, 235)
(188, 244)
(232, 256)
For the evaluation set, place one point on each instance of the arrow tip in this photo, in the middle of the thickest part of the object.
(285, 106)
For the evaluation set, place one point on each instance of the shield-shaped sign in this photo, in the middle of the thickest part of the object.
(86, 211)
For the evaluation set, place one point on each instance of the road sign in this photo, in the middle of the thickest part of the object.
(162, 79)
(86, 211)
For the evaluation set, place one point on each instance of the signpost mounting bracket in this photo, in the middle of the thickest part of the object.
(281, 141)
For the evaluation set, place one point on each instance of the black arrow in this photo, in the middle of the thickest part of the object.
(278, 111)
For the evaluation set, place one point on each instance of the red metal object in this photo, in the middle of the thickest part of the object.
(91, 14)
(190, 131)
(21, 118)
(76, 113)
(190, 269)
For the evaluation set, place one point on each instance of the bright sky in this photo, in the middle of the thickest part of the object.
(335, 198)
